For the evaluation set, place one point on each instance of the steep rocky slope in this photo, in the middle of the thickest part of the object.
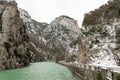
(96, 43)
(13, 37)
(35, 30)
(25, 40)
(62, 36)
(54, 40)
(101, 35)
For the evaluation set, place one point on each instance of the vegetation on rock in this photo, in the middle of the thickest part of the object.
(116, 76)
(108, 12)
(99, 76)
(0, 22)
(118, 39)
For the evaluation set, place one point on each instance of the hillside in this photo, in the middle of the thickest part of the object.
(101, 30)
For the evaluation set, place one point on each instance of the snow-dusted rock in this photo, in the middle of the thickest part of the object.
(99, 29)
(34, 30)
(61, 32)
(58, 35)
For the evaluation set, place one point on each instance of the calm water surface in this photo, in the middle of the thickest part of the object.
(38, 71)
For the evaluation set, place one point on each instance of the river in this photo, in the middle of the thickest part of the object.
(38, 71)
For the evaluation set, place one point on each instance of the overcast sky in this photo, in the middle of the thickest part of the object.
(48, 10)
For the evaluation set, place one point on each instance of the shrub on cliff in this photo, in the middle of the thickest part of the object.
(107, 11)
(116, 76)
(0, 22)
(98, 76)
(117, 39)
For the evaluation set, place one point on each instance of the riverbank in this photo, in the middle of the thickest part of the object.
(73, 70)
(87, 72)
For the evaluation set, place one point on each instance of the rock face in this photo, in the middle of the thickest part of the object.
(62, 35)
(13, 37)
(57, 40)
(101, 35)
(25, 40)
(37, 48)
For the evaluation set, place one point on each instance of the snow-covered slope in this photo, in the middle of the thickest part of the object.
(106, 55)
(101, 50)
(99, 29)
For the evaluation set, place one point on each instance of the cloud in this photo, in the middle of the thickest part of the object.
(48, 10)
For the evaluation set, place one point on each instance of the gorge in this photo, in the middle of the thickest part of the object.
(24, 41)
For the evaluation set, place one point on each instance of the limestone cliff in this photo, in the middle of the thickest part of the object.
(57, 40)
(37, 48)
(62, 35)
(13, 37)
(96, 43)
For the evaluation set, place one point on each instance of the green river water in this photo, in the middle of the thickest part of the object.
(38, 71)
